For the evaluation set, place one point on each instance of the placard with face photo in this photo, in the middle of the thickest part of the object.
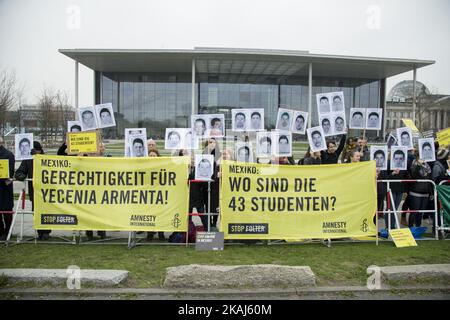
(284, 119)
(391, 140)
(240, 120)
(138, 146)
(23, 145)
(399, 158)
(426, 150)
(264, 144)
(73, 126)
(105, 115)
(323, 103)
(300, 120)
(216, 126)
(190, 141)
(374, 118)
(87, 118)
(327, 124)
(243, 152)
(200, 125)
(316, 139)
(204, 166)
(130, 133)
(337, 101)
(379, 154)
(339, 123)
(357, 118)
(404, 137)
(282, 143)
(174, 138)
(256, 119)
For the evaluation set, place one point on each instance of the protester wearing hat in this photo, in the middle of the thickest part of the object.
(439, 172)
(26, 171)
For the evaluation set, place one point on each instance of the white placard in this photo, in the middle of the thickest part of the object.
(23, 145)
(316, 139)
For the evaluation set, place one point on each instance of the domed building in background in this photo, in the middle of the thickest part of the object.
(432, 110)
(403, 91)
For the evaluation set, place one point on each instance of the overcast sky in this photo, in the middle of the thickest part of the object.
(31, 32)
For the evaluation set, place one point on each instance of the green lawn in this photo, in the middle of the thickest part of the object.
(342, 264)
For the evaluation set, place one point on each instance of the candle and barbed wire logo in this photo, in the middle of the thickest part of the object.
(176, 222)
(364, 226)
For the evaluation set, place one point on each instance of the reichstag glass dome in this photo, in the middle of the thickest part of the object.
(403, 91)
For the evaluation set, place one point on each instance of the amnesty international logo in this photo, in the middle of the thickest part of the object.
(364, 226)
(176, 222)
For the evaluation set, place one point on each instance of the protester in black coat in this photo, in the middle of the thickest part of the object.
(26, 171)
(419, 192)
(331, 155)
(6, 193)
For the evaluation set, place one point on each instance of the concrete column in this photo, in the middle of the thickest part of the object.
(193, 106)
(414, 94)
(309, 95)
(76, 84)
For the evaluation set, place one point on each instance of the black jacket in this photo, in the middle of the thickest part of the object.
(26, 171)
(6, 191)
(330, 158)
(420, 171)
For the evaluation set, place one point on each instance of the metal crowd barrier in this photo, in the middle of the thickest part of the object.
(442, 227)
(134, 241)
(392, 210)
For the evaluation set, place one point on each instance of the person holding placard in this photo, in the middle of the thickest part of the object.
(331, 155)
(26, 171)
(6, 193)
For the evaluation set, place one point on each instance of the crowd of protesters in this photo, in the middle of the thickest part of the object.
(416, 195)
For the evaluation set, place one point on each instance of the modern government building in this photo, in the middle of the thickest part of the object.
(158, 89)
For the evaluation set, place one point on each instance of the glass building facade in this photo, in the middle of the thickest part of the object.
(157, 101)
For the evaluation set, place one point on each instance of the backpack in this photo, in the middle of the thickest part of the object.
(180, 237)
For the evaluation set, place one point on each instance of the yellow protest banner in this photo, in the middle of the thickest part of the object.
(410, 124)
(4, 169)
(260, 201)
(111, 194)
(403, 238)
(443, 137)
(82, 142)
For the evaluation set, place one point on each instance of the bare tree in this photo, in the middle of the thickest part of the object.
(54, 112)
(65, 110)
(424, 103)
(47, 114)
(10, 95)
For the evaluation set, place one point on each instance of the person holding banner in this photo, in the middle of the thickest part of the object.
(90, 233)
(26, 171)
(213, 148)
(349, 146)
(153, 152)
(355, 156)
(311, 158)
(6, 193)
